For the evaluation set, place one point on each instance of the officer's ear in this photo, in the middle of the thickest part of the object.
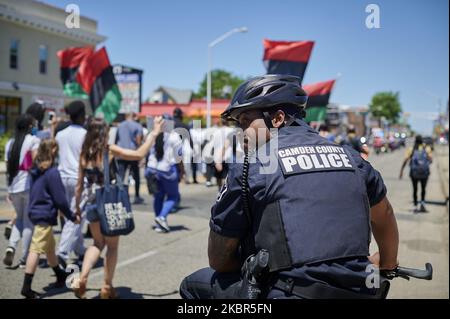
(278, 119)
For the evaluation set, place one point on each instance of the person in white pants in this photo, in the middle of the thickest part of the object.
(70, 141)
(19, 154)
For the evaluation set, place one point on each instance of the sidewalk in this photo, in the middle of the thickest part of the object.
(442, 164)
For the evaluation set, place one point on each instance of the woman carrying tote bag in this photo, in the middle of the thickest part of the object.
(94, 157)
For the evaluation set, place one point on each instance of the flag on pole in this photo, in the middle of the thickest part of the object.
(96, 77)
(319, 93)
(287, 57)
(318, 99)
(70, 60)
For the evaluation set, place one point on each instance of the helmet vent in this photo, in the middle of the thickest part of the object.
(255, 93)
(274, 88)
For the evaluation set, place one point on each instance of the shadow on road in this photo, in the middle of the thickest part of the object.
(127, 293)
(180, 208)
(432, 202)
(50, 291)
(178, 228)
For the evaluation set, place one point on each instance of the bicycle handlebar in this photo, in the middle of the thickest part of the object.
(406, 273)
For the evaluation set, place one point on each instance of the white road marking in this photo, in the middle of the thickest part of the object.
(127, 262)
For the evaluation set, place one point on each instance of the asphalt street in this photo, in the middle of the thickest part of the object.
(152, 265)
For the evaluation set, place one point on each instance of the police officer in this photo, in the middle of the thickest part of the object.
(314, 213)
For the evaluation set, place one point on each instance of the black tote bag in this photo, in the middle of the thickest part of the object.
(113, 205)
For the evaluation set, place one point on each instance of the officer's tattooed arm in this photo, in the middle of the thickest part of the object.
(223, 253)
(385, 231)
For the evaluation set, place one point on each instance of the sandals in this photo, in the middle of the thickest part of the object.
(108, 293)
(79, 288)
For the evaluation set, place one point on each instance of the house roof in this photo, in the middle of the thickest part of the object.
(177, 95)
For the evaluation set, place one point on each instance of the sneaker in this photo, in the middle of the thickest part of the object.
(159, 230)
(138, 200)
(22, 264)
(61, 276)
(9, 256)
(422, 208)
(162, 222)
(208, 184)
(30, 294)
(43, 263)
(59, 283)
(62, 262)
(8, 230)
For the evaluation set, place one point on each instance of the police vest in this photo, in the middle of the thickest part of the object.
(318, 207)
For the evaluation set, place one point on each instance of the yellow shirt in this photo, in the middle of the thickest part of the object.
(409, 151)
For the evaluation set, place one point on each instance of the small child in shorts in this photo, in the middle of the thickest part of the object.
(47, 196)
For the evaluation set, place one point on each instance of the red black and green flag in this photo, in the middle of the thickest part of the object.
(96, 77)
(318, 99)
(319, 93)
(287, 57)
(70, 60)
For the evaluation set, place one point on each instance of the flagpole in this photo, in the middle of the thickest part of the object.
(338, 76)
(208, 80)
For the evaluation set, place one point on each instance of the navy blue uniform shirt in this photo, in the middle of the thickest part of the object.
(228, 219)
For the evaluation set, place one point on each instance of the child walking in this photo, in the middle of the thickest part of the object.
(46, 198)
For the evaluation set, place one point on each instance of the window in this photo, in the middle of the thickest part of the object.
(14, 54)
(9, 112)
(43, 54)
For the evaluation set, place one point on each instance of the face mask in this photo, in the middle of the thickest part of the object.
(34, 131)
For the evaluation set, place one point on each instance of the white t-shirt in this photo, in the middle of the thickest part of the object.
(70, 140)
(21, 181)
(187, 151)
(172, 153)
(223, 144)
(196, 136)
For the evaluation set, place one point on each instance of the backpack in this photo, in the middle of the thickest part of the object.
(420, 165)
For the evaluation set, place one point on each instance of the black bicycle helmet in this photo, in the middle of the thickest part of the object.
(264, 92)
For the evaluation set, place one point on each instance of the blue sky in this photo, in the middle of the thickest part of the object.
(168, 40)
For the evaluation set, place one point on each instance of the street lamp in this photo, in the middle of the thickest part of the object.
(208, 80)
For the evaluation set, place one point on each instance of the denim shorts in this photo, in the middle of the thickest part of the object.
(92, 213)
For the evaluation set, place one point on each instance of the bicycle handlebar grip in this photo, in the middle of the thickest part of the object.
(426, 274)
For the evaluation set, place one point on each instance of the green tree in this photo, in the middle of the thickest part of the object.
(387, 105)
(224, 84)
